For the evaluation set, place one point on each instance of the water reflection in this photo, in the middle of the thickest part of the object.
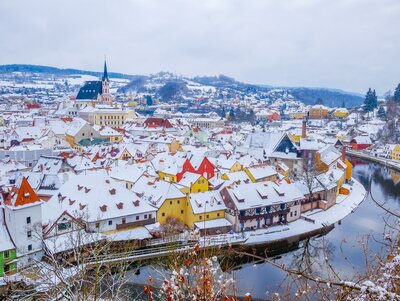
(345, 246)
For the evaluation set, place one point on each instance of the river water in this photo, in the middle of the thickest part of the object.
(345, 245)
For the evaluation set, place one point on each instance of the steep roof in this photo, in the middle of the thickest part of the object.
(105, 73)
(24, 195)
(90, 90)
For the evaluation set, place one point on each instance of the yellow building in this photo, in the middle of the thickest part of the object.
(318, 112)
(172, 203)
(166, 197)
(261, 173)
(106, 132)
(167, 176)
(193, 183)
(79, 131)
(341, 113)
(106, 115)
(395, 155)
(204, 206)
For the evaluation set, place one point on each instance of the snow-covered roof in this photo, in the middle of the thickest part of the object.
(206, 202)
(309, 144)
(94, 195)
(155, 191)
(255, 195)
(188, 179)
(214, 223)
(261, 171)
(362, 140)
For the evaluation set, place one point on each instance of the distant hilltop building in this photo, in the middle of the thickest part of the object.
(95, 91)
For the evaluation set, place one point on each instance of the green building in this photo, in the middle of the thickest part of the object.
(8, 253)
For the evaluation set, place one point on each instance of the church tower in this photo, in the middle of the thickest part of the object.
(105, 83)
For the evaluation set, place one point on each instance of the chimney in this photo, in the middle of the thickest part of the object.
(304, 129)
(344, 153)
(161, 165)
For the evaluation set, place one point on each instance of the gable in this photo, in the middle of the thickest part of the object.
(286, 145)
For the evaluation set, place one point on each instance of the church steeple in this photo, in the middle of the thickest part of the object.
(105, 74)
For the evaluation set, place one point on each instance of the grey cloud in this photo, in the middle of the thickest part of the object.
(347, 44)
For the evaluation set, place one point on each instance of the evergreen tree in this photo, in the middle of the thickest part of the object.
(319, 101)
(223, 112)
(231, 114)
(369, 102)
(343, 104)
(397, 93)
(381, 113)
(374, 100)
(149, 100)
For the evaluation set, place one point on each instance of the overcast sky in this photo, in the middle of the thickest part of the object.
(345, 44)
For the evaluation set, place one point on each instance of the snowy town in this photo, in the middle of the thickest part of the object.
(211, 150)
(89, 164)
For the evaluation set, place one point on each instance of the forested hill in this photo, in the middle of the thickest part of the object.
(330, 97)
(183, 87)
(58, 71)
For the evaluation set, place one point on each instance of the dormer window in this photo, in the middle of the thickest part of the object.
(120, 205)
(112, 191)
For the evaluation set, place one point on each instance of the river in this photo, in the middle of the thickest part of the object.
(344, 245)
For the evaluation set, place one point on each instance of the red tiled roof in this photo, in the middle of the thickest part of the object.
(24, 195)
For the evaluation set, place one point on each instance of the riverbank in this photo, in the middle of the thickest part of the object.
(314, 222)
(386, 162)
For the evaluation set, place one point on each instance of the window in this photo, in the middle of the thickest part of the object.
(163, 214)
(137, 217)
(145, 216)
(110, 223)
(295, 213)
(218, 214)
(178, 202)
(29, 248)
(181, 211)
(207, 216)
(97, 225)
(170, 202)
(6, 254)
(29, 234)
(150, 216)
(200, 217)
(83, 134)
(28, 220)
(123, 220)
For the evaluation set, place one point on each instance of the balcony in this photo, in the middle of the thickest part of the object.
(136, 224)
(263, 215)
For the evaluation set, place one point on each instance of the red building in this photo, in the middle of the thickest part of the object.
(154, 122)
(360, 142)
(206, 169)
(187, 166)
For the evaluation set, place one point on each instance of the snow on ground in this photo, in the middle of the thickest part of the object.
(80, 79)
(345, 204)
